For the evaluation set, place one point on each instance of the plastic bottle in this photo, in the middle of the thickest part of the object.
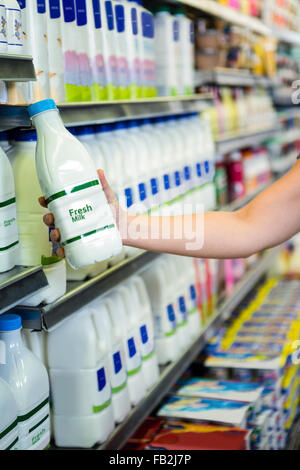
(122, 315)
(147, 53)
(80, 386)
(186, 53)
(71, 62)
(72, 188)
(83, 34)
(112, 334)
(236, 176)
(14, 27)
(110, 50)
(33, 234)
(9, 436)
(9, 239)
(3, 29)
(120, 11)
(154, 166)
(28, 380)
(36, 25)
(166, 52)
(143, 312)
(96, 50)
(189, 279)
(55, 51)
(166, 156)
(161, 297)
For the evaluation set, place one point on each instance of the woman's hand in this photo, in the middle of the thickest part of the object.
(119, 214)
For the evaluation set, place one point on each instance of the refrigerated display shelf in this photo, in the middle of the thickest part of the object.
(171, 373)
(16, 68)
(79, 114)
(18, 284)
(233, 77)
(285, 35)
(228, 144)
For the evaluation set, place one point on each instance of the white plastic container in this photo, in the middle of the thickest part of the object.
(147, 53)
(166, 52)
(9, 436)
(73, 191)
(82, 36)
(185, 64)
(14, 27)
(110, 49)
(33, 233)
(9, 240)
(55, 51)
(28, 380)
(161, 297)
(121, 25)
(122, 315)
(55, 272)
(36, 25)
(80, 386)
(146, 330)
(71, 62)
(112, 335)
(3, 30)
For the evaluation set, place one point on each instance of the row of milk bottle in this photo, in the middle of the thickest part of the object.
(103, 359)
(87, 50)
(24, 392)
(101, 362)
(150, 164)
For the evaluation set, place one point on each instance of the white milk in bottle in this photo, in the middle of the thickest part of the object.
(117, 366)
(185, 64)
(80, 387)
(110, 50)
(9, 239)
(9, 436)
(161, 297)
(146, 330)
(82, 37)
(72, 189)
(3, 30)
(71, 61)
(96, 50)
(55, 51)
(36, 25)
(33, 233)
(14, 27)
(122, 59)
(121, 314)
(28, 380)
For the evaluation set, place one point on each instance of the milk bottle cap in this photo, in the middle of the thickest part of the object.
(10, 322)
(103, 128)
(40, 107)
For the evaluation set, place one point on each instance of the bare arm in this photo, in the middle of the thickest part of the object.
(270, 219)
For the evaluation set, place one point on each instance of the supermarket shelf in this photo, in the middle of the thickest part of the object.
(19, 283)
(104, 111)
(80, 293)
(232, 77)
(237, 142)
(172, 372)
(289, 113)
(228, 14)
(243, 201)
(16, 68)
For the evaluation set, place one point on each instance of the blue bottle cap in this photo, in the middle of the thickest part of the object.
(40, 107)
(103, 128)
(120, 125)
(10, 322)
(3, 136)
(72, 130)
(132, 124)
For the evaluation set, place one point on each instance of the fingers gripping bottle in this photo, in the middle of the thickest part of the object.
(73, 192)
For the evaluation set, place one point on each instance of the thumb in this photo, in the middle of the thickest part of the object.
(109, 193)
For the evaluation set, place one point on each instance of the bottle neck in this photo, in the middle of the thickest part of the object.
(12, 339)
(49, 120)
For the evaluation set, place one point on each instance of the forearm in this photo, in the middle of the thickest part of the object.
(209, 235)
